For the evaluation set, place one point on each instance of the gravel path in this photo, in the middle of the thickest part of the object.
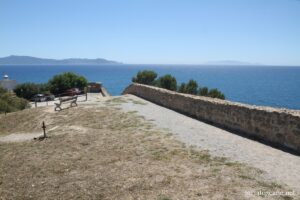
(278, 165)
(19, 137)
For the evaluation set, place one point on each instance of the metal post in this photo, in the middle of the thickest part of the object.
(85, 90)
(35, 102)
(44, 129)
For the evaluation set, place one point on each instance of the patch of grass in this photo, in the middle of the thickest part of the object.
(287, 197)
(116, 100)
(270, 186)
(160, 154)
(200, 156)
(216, 170)
(233, 164)
(246, 177)
(133, 112)
(163, 197)
(138, 102)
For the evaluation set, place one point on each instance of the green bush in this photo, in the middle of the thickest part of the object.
(43, 88)
(2, 90)
(26, 90)
(215, 93)
(61, 82)
(145, 77)
(191, 87)
(182, 88)
(168, 82)
(11, 103)
(203, 91)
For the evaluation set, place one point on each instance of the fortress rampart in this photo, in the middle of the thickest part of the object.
(280, 127)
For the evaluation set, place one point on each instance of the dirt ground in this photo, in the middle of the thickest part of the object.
(97, 151)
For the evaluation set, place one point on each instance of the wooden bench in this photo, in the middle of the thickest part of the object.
(72, 100)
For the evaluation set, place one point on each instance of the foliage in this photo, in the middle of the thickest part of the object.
(215, 93)
(2, 90)
(168, 82)
(57, 85)
(191, 87)
(11, 103)
(145, 77)
(26, 90)
(181, 88)
(203, 91)
(43, 88)
(61, 82)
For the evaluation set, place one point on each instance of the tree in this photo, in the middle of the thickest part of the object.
(191, 87)
(182, 88)
(215, 93)
(26, 90)
(203, 91)
(61, 82)
(168, 82)
(145, 77)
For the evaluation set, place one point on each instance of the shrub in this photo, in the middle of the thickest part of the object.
(43, 88)
(26, 90)
(168, 82)
(215, 93)
(61, 82)
(2, 90)
(11, 103)
(203, 91)
(191, 87)
(145, 77)
(181, 88)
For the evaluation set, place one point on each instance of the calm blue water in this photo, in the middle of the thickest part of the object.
(271, 86)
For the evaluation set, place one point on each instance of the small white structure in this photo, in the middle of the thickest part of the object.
(7, 84)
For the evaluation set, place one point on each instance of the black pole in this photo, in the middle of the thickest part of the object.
(44, 129)
(86, 91)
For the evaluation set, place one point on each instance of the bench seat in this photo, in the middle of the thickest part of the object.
(72, 100)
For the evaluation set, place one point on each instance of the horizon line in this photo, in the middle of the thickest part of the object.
(209, 63)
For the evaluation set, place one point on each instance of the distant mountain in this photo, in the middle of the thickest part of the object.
(28, 60)
(230, 62)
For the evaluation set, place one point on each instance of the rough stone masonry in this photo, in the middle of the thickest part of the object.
(280, 127)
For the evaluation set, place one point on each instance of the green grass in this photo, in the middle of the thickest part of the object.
(163, 197)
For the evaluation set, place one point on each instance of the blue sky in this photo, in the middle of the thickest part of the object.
(153, 31)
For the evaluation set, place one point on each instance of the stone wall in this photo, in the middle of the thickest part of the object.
(280, 127)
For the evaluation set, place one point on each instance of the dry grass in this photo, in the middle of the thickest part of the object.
(103, 153)
(22, 121)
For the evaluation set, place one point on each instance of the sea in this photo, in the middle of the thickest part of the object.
(276, 86)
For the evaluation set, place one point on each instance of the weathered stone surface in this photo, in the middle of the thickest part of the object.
(278, 126)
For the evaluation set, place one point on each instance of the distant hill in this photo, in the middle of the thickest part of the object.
(230, 62)
(28, 60)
